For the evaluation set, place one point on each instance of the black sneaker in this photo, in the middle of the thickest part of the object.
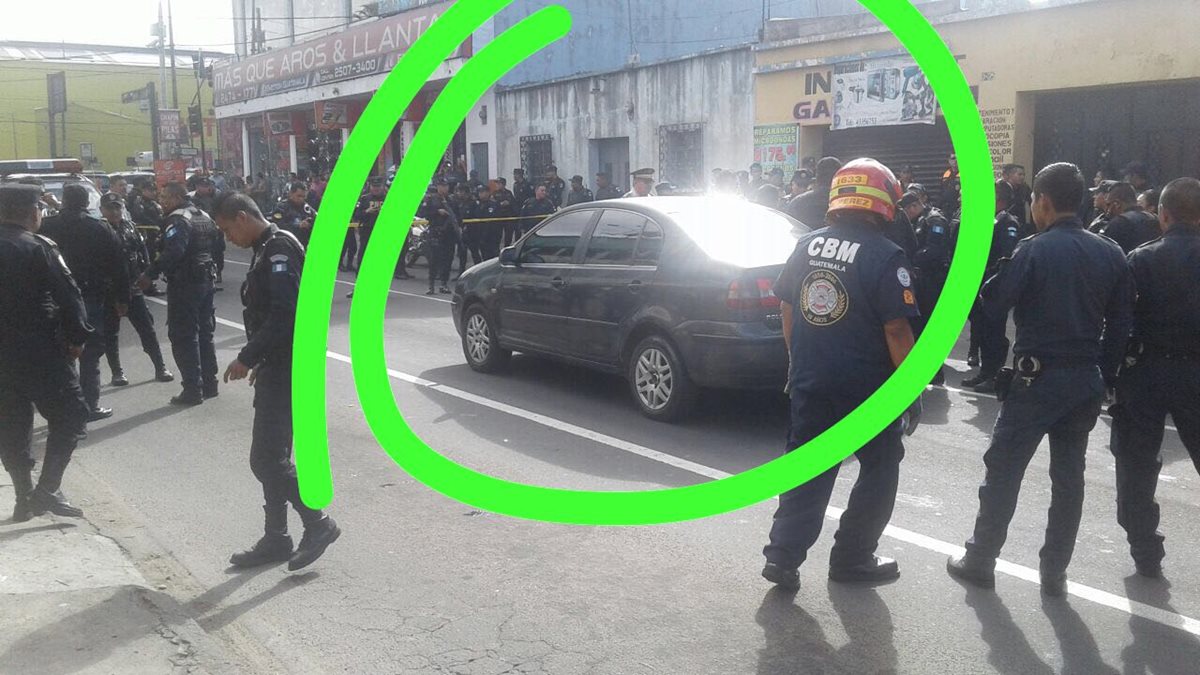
(96, 414)
(444, 291)
(187, 398)
(430, 292)
(972, 382)
(877, 571)
(21, 511)
(163, 375)
(119, 379)
(272, 548)
(973, 360)
(1150, 570)
(972, 573)
(40, 502)
(211, 390)
(787, 578)
(986, 387)
(1054, 585)
(317, 537)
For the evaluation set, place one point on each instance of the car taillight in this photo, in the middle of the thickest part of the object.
(752, 294)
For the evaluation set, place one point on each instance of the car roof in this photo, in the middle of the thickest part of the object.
(677, 208)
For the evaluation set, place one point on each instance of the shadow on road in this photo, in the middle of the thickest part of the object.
(1008, 648)
(122, 425)
(1156, 648)
(231, 613)
(20, 532)
(796, 643)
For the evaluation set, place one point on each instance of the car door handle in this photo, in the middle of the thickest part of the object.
(558, 282)
(635, 286)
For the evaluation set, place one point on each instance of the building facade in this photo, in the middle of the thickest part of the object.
(1097, 82)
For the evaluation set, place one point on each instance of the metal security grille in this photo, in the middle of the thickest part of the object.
(681, 155)
(537, 153)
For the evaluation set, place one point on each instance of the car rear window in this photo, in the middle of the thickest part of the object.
(737, 232)
(615, 238)
(555, 242)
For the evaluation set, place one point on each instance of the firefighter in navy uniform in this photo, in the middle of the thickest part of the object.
(269, 295)
(186, 260)
(991, 332)
(294, 214)
(137, 259)
(1161, 373)
(93, 253)
(1071, 293)
(42, 332)
(847, 298)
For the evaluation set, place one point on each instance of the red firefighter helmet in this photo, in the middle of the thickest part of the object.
(865, 185)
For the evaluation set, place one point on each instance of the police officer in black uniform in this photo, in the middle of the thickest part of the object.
(578, 193)
(366, 213)
(901, 231)
(1128, 225)
(187, 262)
(93, 254)
(605, 190)
(441, 236)
(988, 330)
(810, 207)
(1161, 373)
(137, 259)
(537, 209)
(1072, 294)
(204, 197)
(482, 238)
(1100, 218)
(847, 295)
(42, 331)
(555, 187)
(463, 203)
(270, 294)
(521, 188)
(507, 207)
(294, 214)
(935, 240)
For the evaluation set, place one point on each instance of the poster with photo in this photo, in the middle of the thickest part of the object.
(882, 93)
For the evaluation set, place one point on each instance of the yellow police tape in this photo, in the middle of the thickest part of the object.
(416, 221)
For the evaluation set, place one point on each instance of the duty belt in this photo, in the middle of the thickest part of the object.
(1139, 351)
(1030, 367)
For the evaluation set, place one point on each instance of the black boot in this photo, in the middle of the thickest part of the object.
(188, 397)
(317, 537)
(784, 577)
(119, 379)
(972, 571)
(972, 382)
(40, 501)
(162, 374)
(275, 545)
(23, 484)
(211, 390)
(876, 571)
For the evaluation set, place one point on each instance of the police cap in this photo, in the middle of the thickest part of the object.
(111, 200)
(19, 195)
(643, 174)
(917, 188)
(1105, 187)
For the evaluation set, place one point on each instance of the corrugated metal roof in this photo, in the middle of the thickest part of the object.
(15, 50)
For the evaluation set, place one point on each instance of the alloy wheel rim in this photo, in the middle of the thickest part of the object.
(654, 379)
(479, 344)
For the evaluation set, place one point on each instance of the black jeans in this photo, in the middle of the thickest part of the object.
(441, 257)
(93, 350)
(143, 322)
(1064, 404)
(190, 325)
(993, 341)
(271, 443)
(1146, 393)
(58, 398)
(801, 512)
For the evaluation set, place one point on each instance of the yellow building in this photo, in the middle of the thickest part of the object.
(97, 122)
(1099, 83)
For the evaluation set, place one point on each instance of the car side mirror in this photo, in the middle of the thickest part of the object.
(509, 257)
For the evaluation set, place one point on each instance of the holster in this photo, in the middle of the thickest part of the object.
(1004, 382)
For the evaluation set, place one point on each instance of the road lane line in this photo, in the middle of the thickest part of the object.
(352, 285)
(1081, 591)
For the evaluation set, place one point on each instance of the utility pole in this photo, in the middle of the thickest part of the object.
(160, 31)
(154, 135)
(174, 77)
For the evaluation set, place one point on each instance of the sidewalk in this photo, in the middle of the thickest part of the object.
(71, 601)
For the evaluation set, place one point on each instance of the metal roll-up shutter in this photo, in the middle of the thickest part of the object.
(924, 146)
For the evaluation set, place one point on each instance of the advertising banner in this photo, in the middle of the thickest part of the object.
(882, 93)
(777, 145)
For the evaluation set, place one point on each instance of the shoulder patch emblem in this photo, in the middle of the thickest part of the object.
(279, 258)
(170, 232)
(823, 298)
(904, 277)
(910, 299)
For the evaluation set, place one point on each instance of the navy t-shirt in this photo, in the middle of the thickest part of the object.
(844, 283)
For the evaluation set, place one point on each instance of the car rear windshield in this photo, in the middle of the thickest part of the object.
(739, 233)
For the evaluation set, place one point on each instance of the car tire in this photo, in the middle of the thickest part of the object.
(480, 345)
(658, 382)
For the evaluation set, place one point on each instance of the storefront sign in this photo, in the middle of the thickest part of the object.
(170, 125)
(331, 115)
(280, 123)
(361, 51)
(816, 106)
(999, 124)
(169, 171)
(882, 93)
(777, 146)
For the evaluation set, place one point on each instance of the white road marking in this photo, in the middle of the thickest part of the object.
(352, 285)
(1088, 593)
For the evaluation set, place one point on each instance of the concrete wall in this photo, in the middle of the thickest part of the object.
(1010, 51)
(714, 90)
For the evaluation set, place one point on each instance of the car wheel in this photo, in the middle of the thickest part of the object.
(657, 379)
(479, 342)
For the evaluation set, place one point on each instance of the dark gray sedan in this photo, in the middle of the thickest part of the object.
(673, 293)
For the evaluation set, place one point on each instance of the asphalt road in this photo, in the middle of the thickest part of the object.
(419, 583)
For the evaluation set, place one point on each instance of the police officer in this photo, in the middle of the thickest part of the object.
(990, 331)
(186, 260)
(366, 213)
(935, 240)
(93, 254)
(579, 194)
(1071, 293)
(769, 194)
(463, 204)
(507, 208)
(1100, 215)
(1128, 225)
(294, 214)
(643, 184)
(810, 207)
(269, 295)
(137, 259)
(441, 236)
(951, 196)
(521, 188)
(1161, 374)
(483, 238)
(901, 231)
(555, 187)
(537, 209)
(1014, 175)
(605, 190)
(847, 298)
(43, 331)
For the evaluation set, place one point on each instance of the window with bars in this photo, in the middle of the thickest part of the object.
(681, 155)
(537, 153)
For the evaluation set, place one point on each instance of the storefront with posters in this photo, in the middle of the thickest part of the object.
(290, 110)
